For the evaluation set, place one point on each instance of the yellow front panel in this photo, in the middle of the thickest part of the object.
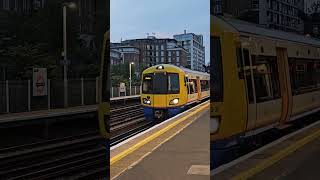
(160, 101)
(233, 109)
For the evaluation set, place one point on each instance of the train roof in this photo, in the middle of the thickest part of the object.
(174, 68)
(243, 27)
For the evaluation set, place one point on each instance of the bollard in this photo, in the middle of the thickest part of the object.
(49, 91)
(29, 96)
(7, 96)
(82, 92)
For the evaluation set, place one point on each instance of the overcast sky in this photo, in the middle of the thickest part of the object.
(135, 18)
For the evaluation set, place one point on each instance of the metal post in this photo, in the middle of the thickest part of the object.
(29, 96)
(7, 96)
(82, 92)
(130, 79)
(65, 71)
(49, 94)
(97, 89)
(135, 90)
(112, 92)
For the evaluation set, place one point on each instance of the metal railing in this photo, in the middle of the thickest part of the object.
(17, 96)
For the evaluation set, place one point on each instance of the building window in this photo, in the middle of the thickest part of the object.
(169, 59)
(178, 59)
(157, 53)
(169, 53)
(162, 59)
(157, 47)
(162, 47)
(178, 53)
(162, 53)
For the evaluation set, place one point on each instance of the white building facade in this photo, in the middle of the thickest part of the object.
(196, 51)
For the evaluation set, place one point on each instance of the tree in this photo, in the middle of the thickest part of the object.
(120, 74)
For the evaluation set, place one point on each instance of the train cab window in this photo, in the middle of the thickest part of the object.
(266, 78)
(160, 83)
(173, 83)
(317, 73)
(147, 84)
(216, 71)
(239, 63)
(105, 90)
(247, 74)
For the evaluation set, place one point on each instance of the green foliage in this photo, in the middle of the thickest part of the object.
(120, 74)
(37, 41)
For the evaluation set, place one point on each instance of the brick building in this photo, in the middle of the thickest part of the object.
(151, 51)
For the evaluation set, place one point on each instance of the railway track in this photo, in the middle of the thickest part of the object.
(83, 155)
(79, 156)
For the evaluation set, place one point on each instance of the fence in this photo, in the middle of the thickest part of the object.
(17, 95)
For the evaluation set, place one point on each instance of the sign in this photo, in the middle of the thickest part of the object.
(122, 87)
(40, 82)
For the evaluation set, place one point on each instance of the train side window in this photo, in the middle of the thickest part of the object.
(191, 87)
(304, 75)
(195, 85)
(204, 85)
(247, 73)
(266, 78)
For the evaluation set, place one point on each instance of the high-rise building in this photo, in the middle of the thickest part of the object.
(196, 51)
(308, 6)
(276, 14)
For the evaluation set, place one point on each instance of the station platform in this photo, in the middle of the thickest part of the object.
(295, 156)
(175, 149)
(21, 116)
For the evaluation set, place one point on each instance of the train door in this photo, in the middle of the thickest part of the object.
(251, 100)
(285, 84)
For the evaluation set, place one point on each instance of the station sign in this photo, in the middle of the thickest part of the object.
(122, 87)
(40, 82)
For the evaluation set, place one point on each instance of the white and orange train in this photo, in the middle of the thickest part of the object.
(261, 79)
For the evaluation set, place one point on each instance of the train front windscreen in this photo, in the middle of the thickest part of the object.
(161, 83)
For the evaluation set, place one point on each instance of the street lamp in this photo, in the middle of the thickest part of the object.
(71, 5)
(130, 64)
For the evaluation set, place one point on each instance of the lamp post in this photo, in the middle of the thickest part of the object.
(130, 64)
(65, 57)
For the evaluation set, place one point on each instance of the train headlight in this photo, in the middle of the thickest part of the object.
(214, 124)
(174, 101)
(146, 101)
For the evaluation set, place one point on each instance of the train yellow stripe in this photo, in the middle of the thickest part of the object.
(277, 157)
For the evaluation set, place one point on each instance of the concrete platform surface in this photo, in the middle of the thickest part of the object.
(184, 156)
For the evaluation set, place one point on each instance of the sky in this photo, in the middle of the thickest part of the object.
(135, 18)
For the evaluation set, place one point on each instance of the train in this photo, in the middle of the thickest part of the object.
(167, 90)
(104, 90)
(262, 80)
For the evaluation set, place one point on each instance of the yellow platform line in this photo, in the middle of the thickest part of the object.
(130, 150)
(277, 157)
